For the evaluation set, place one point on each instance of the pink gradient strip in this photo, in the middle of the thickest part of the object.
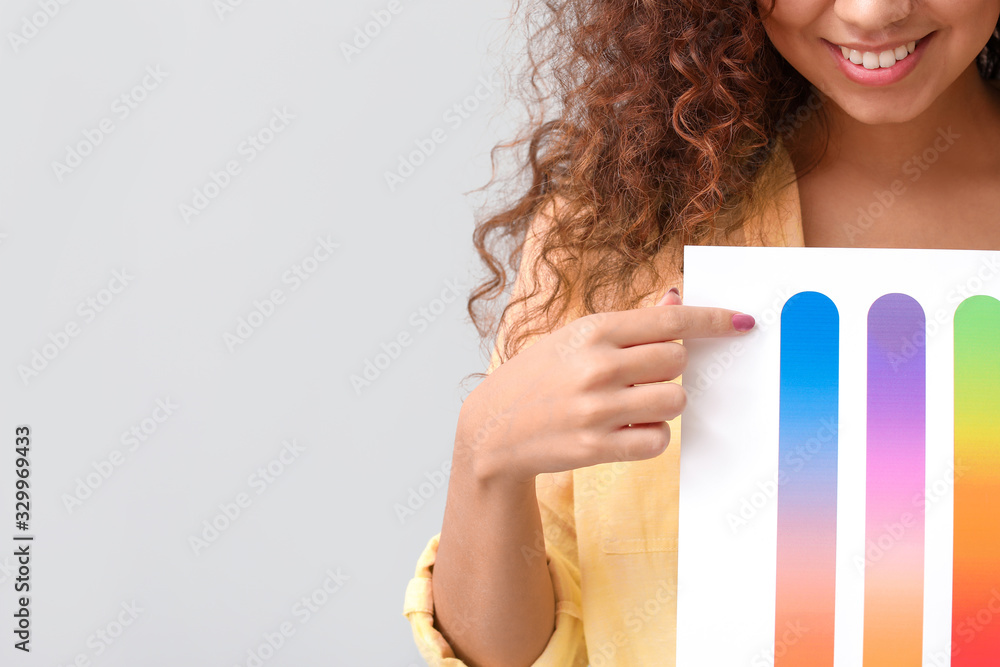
(894, 526)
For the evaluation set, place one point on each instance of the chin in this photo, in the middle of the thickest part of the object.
(881, 117)
(883, 111)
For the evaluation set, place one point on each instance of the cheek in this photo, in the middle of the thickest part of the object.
(964, 10)
(796, 15)
(968, 25)
(973, 21)
(984, 22)
(789, 27)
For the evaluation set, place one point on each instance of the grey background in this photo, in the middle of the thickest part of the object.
(332, 508)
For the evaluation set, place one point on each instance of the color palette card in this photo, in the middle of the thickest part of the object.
(840, 464)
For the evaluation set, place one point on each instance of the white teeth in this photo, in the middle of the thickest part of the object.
(871, 60)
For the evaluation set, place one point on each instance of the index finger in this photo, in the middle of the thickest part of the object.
(657, 324)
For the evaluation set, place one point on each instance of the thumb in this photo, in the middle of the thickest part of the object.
(671, 298)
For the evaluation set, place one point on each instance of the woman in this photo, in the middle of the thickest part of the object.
(661, 123)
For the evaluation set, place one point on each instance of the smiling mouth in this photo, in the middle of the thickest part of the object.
(883, 59)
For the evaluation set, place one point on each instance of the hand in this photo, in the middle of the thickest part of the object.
(593, 391)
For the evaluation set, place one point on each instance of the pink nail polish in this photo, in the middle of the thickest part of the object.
(743, 322)
(676, 291)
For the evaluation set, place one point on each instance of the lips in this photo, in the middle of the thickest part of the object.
(878, 69)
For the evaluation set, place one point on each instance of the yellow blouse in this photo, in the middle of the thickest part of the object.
(610, 535)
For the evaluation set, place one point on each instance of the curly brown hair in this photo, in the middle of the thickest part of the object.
(648, 124)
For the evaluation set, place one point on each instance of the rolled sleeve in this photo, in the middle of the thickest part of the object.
(565, 647)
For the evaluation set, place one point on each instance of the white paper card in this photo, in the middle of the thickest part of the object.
(728, 606)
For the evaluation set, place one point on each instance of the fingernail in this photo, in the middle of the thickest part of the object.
(675, 291)
(743, 322)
